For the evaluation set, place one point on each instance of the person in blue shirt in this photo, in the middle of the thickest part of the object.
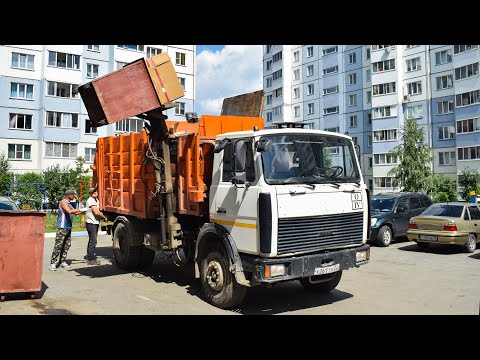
(63, 238)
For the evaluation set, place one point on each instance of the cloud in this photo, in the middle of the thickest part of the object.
(235, 70)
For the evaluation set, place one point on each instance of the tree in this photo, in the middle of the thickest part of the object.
(6, 176)
(56, 183)
(414, 156)
(29, 194)
(468, 180)
(442, 188)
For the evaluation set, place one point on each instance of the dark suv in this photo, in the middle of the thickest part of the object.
(391, 213)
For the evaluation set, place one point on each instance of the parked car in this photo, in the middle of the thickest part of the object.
(7, 204)
(455, 223)
(391, 213)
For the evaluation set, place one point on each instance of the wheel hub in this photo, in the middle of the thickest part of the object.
(215, 275)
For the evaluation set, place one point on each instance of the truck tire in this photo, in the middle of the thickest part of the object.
(310, 283)
(218, 283)
(126, 256)
(384, 237)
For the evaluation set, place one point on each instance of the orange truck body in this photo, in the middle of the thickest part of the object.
(125, 176)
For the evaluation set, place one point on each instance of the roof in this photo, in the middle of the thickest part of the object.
(251, 133)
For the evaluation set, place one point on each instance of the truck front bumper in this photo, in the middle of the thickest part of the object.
(309, 265)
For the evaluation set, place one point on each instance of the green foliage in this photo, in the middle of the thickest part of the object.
(51, 221)
(414, 158)
(6, 176)
(442, 188)
(468, 180)
(30, 194)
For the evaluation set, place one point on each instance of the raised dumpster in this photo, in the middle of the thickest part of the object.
(22, 235)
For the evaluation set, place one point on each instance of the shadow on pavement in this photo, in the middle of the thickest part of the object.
(475, 256)
(26, 295)
(441, 249)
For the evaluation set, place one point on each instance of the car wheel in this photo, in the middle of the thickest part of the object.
(423, 245)
(384, 237)
(471, 243)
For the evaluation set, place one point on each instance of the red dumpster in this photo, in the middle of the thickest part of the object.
(22, 235)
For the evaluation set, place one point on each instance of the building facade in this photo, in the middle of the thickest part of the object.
(44, 121)
(368, 91)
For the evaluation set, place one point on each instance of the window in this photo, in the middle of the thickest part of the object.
(352, 79)
(89, 155)
(309, 51)
(352, 100)
(277, 111)
(92, 71)
(410, 46)
(21, 91)
(382, 66)
(310, 89)
(414, 64)
(352, 58)
(244, 150)
(443, 57)
(126, 125)
(269, 99)
(180, 59)
(296, 56)
(468, 153)
(296, 93)
(19, 152)
(383, 182)
(268, 48)
(384, 159)
(368, 54)
(182, 82)
(277, 57)
(385, 135)
(446, 158)
(269, 82)
(468, 98)
(63, 60)
(369, 141)
(468, 125)
(330, 110)
(446, 133)
(62, 89)
(474, 212)
(445, 107)
(278, 92)
(370, 184)
(414, 88)
(368, 75)
(444, 82)
(382, 89)
(369, 97)
(132, 47)
(355, 140)
(269, 116)
(93, 47)
(311, 108)
(296, 111)
(330, 50)
(61, 119)
(120, 64)
(415, 112)
(330, 70)
(353, 121)
(332, 129)
(22, 61)
(385, 47)
(296, 74)
(20, 122)
(268, 65)
(369, 118)
(457, 49)
(180, 109)
(383, 111)
(151, 51)
(60, 150)
(466, 71)
(309, 70)
(277, 74)
(89, 129)
(370, 163)
(330, 90)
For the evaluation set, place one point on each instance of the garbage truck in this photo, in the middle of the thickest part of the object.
(248, 205)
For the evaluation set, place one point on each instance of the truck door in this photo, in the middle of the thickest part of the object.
(236, 196)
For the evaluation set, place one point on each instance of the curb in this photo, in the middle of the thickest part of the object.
(75, 233)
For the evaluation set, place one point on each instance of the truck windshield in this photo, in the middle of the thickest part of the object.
(309, 159)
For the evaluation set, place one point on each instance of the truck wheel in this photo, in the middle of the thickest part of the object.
(384, 237)
(126, 256)
(471, 243)
(146, 259)
(321, 283)
(218, 283)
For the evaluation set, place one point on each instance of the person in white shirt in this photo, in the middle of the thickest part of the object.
(92, 216)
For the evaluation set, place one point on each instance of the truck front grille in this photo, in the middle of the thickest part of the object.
(308, 234)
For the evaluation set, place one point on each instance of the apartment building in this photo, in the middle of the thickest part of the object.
(368, 91)
(44, 121)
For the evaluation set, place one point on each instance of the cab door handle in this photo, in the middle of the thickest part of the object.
(221, 211)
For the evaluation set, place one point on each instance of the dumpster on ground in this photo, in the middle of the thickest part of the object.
(22, 235)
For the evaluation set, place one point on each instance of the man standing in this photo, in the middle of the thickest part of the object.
(93, 214)
(63, 238)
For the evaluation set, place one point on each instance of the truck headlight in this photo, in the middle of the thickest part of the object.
(363, 256)
(373, 221)
(274, 270)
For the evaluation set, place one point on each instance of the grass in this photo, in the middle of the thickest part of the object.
(51, 220)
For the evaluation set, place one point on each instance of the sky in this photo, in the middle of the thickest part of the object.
(224, 71)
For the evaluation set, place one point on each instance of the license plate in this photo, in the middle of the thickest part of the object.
(428, 237)
(326, 269)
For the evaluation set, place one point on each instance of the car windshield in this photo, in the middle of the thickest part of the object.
(308, 159)
(382, 204)
(444, 210)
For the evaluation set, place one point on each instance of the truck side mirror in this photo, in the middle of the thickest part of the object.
(263, 144)
(219, 147)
